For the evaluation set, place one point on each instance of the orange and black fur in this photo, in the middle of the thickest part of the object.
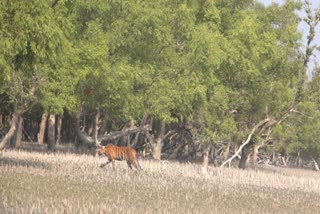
(119, 153)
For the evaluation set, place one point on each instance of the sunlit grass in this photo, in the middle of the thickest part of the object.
(69, 183)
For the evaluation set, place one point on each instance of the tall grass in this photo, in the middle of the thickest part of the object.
(69, 183)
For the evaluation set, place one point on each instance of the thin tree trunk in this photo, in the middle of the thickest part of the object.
(255, 153)
(315, 165)
(59, 125)
(244, 156)
(175, 152)
(213, 155)
(157, 146)
(226, 152)
(82, 137)
(11, 131)
(136, 138)
(103, 127)
(148, 149)
(132, 124)
(42, 128)
(95, 127)
(284, 162)
(88, 126)
(19, 132)
(205, 155)
(51, 132)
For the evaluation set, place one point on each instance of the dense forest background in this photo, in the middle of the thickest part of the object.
(174, 79)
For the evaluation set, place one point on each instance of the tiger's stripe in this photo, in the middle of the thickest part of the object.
(120, 153)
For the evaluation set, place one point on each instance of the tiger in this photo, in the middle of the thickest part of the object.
(119, 153)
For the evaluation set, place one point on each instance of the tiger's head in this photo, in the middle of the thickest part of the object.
(99, 150)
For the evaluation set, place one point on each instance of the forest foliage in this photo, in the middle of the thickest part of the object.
(216, 68)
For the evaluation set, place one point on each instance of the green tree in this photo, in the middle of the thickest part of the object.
(35, 38)
(299, 135)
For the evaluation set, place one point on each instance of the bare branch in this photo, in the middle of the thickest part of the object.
(116, 134)
(246, 142)
(110, 136)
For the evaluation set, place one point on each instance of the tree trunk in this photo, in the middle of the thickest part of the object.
(59, 125)
(186, 152)
(244, 156)
(19, 132)
(136, 138)
(51, 132)
(96, 126)
(315, 165)
(11, 131)
(42, 128)
(213, 156)
(103, 127)
(284, 162)
(157, 146)
(226, 152)
(205, 155)
(176, 150)
(82, 137)
(132, 125)
(254, 155)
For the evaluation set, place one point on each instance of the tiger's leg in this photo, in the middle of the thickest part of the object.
(129, 164)
(136, 165)
(104, 164)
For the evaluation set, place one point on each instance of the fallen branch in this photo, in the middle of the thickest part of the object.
(116, 134)
(110, 136)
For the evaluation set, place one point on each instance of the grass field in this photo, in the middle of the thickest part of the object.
(67, 183)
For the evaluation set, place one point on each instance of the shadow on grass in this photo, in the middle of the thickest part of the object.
(6, 161)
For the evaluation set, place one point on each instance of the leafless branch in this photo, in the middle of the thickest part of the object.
(246, 142)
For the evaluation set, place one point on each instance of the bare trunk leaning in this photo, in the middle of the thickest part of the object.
(42, 128)
(11, 131)
(51, 132)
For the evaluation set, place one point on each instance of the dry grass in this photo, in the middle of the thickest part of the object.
(69, 183)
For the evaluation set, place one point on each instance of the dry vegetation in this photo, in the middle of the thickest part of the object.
(34, 182)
